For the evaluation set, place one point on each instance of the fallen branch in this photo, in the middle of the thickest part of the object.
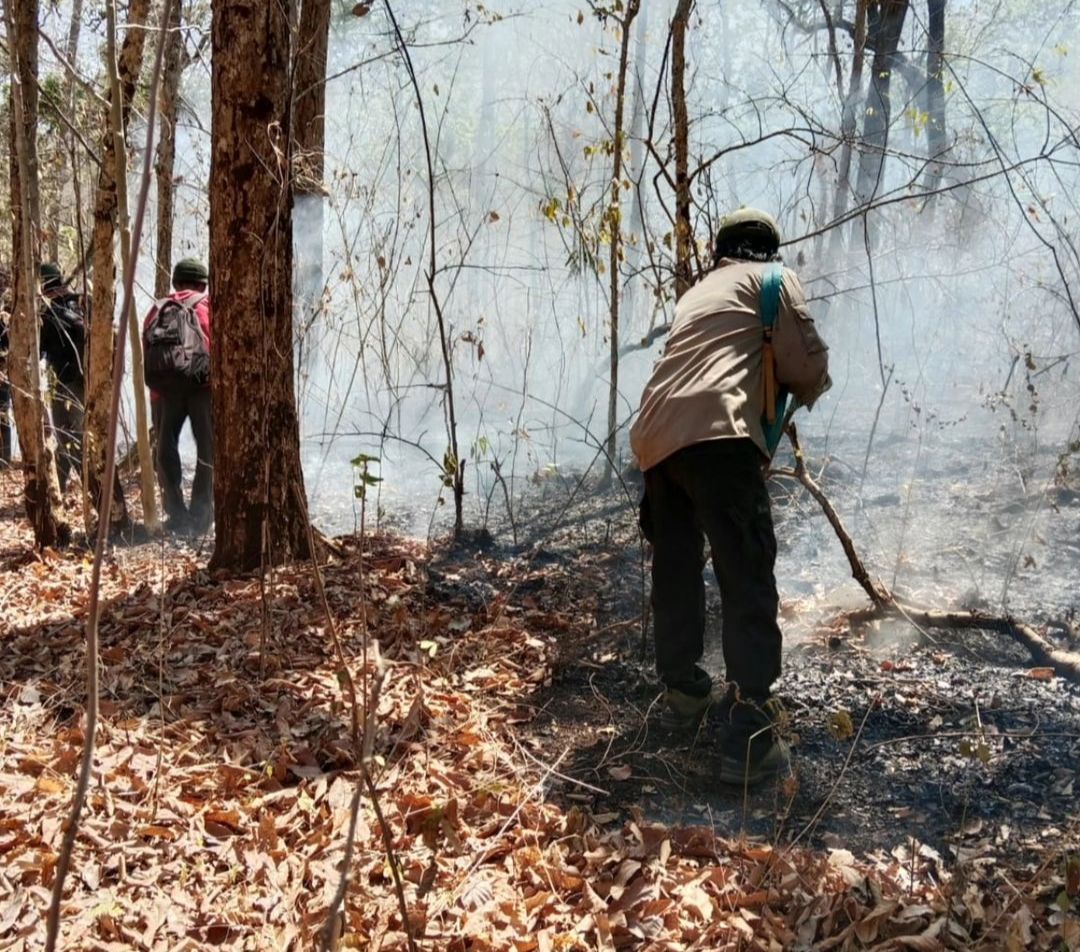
(1065, 663)
(880, 596)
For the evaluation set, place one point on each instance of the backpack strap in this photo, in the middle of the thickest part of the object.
(774, 399)
(769, 297)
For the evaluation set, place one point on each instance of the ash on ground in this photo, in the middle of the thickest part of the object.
(950, 743)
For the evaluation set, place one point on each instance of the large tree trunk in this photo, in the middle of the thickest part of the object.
(41, 490)
(309, 142)
(936, 135)
(614, 223)
(884, 28)
(683, 230)
(165, 164)
(100, 361)
(258, 483)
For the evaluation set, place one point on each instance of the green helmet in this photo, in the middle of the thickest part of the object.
(748, 223)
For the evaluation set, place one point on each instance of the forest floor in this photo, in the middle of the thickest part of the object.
(531, 800)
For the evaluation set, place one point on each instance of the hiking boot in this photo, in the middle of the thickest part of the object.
(764, 762)
(682, 711)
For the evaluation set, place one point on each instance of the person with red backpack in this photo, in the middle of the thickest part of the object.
(176, 366)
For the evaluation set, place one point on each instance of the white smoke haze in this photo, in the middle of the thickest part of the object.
(942, 451)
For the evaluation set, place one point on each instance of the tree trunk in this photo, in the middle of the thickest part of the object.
(165, 164)
(683, 230)
(635, 289)
(614, 223)
(258, 483)
(936, 135)
(309, 142)
(849, 127)
(41, 490)
(103, 310)
(884, 29)
(147, 469)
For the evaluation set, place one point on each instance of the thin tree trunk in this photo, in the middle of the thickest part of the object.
(849, 126)
(635, 287)
(614, 222)
(884, 35)
(165, 164)
(936, 133)
(100, 360)
(258, 482)
(683, 229)
(41, 490)
(309, 142)
(147, 474)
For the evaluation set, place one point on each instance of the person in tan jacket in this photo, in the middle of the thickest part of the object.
(699, 441)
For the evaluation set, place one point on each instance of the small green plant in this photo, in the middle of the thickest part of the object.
(362, 477)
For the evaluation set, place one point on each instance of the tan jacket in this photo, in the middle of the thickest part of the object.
(707, 385)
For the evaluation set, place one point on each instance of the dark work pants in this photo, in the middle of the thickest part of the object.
(169, 412)
(718, 488)
(68, 419)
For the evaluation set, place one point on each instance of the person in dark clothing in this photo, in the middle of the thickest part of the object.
(701, 444)
(63, 339)
(169, 411)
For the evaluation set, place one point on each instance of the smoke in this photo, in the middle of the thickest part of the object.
(951, 319)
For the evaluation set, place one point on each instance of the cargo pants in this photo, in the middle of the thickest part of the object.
(716, 488)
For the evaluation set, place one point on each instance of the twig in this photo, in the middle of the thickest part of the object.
(839, 777)
(331, 624)
(444, 341)
(877, 593)
(93, 613)
(510, 820)
(363, 747)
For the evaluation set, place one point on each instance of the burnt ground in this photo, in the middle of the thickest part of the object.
(940, 741)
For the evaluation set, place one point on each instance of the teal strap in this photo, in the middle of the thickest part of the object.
(769, 306)
(771, 283)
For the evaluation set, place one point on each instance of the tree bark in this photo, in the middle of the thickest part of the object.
(258, 482)
(936, 133)
(147, 469)
(849, 126)
(165, 163)
(683, 230)
(614, 222)
(633, 301)
(884, 27)
(309, 143)
(100, 360)
(41, 490)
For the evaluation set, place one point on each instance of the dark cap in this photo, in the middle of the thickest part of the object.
(52, 278)
(190, 271)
